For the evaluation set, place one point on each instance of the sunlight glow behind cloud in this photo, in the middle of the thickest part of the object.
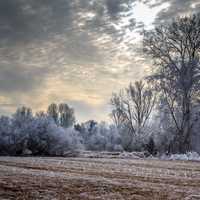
(145, 14)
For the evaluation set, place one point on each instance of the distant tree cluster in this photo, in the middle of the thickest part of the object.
(25, 134)
(62, 114)
(53, 133)
(99, 137)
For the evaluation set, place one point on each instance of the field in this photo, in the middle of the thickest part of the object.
(98, 178)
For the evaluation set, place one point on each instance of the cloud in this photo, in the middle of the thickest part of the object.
(39, 37)
(176, 8)
(93, 112)
(17, 79)
(77, 51)
(29, 20)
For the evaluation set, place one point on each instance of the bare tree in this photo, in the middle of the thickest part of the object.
(62, 114)
(133, 106)
(67, 117)
(52, 112)
(175, 49)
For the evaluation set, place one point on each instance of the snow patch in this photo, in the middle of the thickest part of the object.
(192, 156)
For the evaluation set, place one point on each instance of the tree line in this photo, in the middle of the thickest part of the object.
(54, 133)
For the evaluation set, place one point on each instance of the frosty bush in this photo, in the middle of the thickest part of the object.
(100, 137)
(36, 135)
(193, 156)
(41, 135)
(5, 135)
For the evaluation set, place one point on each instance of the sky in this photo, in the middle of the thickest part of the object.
(76, 51)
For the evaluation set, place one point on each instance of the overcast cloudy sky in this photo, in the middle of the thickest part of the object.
(75, 51)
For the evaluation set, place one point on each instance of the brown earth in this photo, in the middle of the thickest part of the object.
(98, 178)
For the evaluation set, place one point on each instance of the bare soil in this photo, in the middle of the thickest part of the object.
(98, 178)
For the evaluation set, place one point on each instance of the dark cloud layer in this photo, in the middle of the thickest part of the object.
(39, 19)
(28, 20)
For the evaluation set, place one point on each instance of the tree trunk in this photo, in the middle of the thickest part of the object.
(184, 139)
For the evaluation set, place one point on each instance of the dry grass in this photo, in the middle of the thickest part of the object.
(97, 178)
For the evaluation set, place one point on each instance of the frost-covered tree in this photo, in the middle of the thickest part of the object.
(46, 138)
(114, 140)
(99, 137)
(175, 50)
(5, 135)
(40, 141)
(86, 131)
(133, 106)
(21, 123)
(41, 114)
(52, 111)
(62, 114)
(39, 135)
(196, 127)
(131, 110)
(67, 118)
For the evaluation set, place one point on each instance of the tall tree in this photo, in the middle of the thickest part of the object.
(175, 50)
(67, 117)
(52, 112)
(21, 123)
(133, 106)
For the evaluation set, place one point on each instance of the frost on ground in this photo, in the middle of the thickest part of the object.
(106, 154)
(98, 178)
(192, 156)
